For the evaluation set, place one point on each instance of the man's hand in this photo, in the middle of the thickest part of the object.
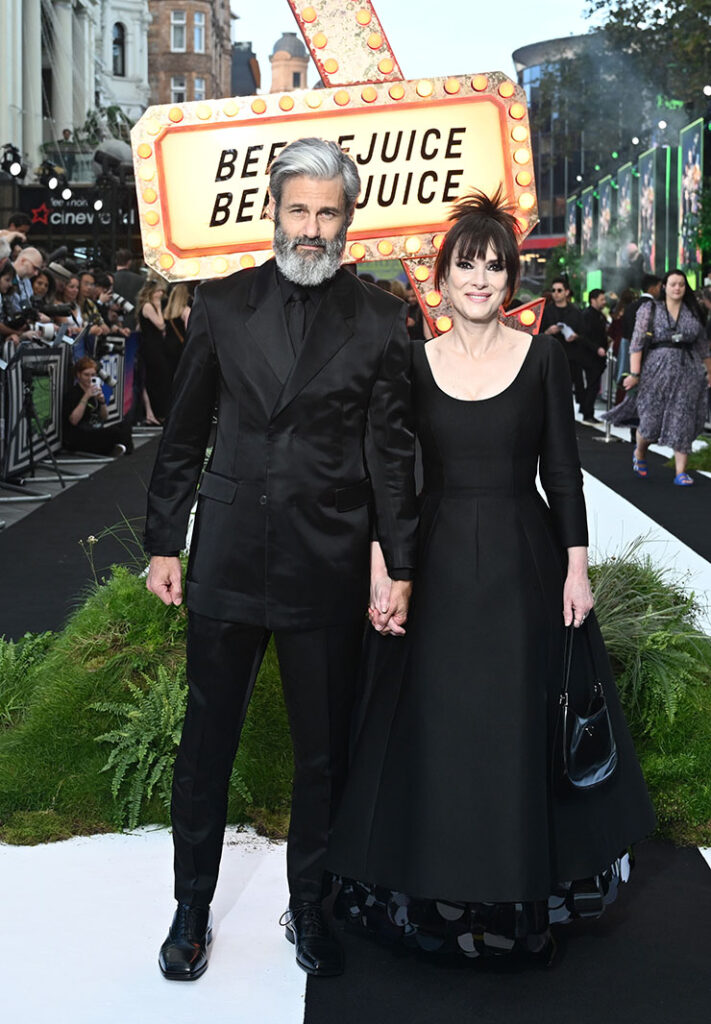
(391, 616)
(165, 579)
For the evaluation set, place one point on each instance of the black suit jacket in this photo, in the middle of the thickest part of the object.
(306, 451)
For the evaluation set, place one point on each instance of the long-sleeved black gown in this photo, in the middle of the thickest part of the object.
(450, 822)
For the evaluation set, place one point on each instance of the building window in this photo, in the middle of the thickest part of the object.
(199, 32)
(199, 88)
(296, 79)
(119, 50)
(177, 31)
(177, 89)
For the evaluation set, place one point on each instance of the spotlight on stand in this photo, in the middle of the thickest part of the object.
(11, 162)
(66, 192)
(98, 204)
(53, 178)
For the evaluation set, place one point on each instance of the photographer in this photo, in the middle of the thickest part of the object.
(84, 425)
(18, 312)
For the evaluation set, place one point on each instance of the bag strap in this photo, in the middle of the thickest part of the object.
(570, 632)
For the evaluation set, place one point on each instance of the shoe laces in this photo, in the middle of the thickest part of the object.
(308, 915)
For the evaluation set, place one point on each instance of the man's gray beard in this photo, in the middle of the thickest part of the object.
(308, 269)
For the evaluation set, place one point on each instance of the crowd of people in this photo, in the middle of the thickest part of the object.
(45, 298)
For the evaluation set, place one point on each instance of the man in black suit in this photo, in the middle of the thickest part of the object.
(595, 351)
(310, 371)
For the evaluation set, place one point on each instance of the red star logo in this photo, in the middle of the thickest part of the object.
(41, 214)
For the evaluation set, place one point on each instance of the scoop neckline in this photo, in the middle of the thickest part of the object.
(477, 401)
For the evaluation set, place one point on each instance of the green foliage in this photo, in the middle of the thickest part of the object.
(52, 781)
(667, 44)
(649, 624)
(700, 459)
(144, 743)
(16, 663)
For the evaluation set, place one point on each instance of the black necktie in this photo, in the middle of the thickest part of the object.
(296, 317)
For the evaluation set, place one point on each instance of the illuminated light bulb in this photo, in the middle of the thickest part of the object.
(522, 156)
(151, 218)
(396, 92)
(433, 299)
(479, 83)
(192, 268)
(517, 111)
(522, 223)
(437, 241)
(204, 112)
(341, 98)
(314, 100)
(386, 66)
(519, 133)
(175, 114)
(286, 103)
(230, 108)
(443, 323)
(154, 239)
(220, 265)
(635, 142)
(706, 90)
(364, 17)
(357, 251)
(151, 127)
(98, 204)
(166, 261)
(330, 66)
(144, 151)
(149, 195)
(662, 124)
(66, 193)
(146, 173)
(507, 89)
(308, 15)
(385, 247)
(528, 317)
(524, 178)
(319, 40)
(526, 201)
(258, 106)
(425, 88)
(369, 94)
(375, 40)
(413, 244)
(247, 260)
(452, 85)
(422, 273)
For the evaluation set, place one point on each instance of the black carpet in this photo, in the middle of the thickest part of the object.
(683, 511)
(646, 961)
(43, 569)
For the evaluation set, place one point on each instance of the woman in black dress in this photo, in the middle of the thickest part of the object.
(154, 352)
(450, 825)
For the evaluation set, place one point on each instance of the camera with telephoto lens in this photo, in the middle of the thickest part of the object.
(22, 318)
(45, 332)
(52, 310)
(123, 304)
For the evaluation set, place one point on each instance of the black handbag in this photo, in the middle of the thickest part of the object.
(584, 744)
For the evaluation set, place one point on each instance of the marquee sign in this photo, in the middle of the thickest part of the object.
(202, 168)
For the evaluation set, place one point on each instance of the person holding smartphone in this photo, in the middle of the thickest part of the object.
(84, 425)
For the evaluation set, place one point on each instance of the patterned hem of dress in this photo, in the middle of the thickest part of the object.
(477, 929)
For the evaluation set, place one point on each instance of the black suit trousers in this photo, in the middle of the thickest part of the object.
(319, 669)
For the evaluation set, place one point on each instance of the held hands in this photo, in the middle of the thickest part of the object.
(389, 600)
(165, 579)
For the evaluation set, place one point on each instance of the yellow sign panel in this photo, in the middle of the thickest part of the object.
(202, 168)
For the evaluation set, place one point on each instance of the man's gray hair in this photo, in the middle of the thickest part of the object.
(314, 158)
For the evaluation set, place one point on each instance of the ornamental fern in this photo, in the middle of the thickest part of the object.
(144, 743)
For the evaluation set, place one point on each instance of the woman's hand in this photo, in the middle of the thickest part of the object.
(629, 381)
(578, 598)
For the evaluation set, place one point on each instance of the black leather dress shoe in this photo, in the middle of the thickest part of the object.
(183, 955)
(317, 951)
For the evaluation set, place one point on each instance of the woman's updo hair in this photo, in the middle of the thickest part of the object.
(480, 221)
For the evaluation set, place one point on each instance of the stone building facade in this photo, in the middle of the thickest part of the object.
(189, 50)
(289, 60)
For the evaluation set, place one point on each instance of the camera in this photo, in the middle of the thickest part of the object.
(24, 315)
(96, 382)
(60, 309)
(123, 304)
(45, 332)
